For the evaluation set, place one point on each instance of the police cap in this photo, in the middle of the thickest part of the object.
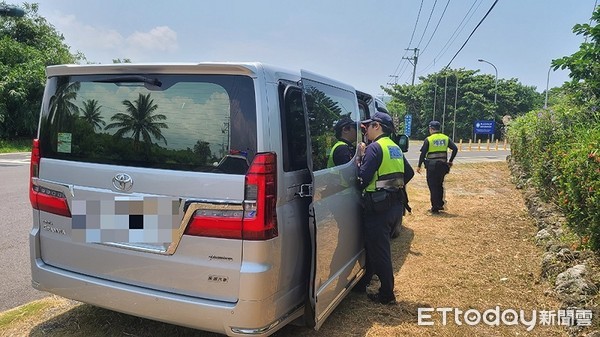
(344, 121)
(382, 118)
(435, 125)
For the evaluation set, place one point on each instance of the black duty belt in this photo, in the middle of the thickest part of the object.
(390, 184)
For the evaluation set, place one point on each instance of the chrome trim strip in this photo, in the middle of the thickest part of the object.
(267, 328)
(192, 208)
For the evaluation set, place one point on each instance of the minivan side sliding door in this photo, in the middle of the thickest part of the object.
(334, 213)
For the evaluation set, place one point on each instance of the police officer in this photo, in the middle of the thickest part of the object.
(381, 178)
(343, 150)
(434, 153)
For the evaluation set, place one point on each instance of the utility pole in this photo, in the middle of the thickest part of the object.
(547, 83)
(455, 100)
(444, 110)
(434, 99)
(413, 60)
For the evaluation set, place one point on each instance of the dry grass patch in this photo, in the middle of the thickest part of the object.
(479, 254)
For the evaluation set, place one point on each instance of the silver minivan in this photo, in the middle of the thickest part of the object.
(195, 194)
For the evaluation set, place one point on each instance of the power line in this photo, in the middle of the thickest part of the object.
(411, 38)
(414, 60)
(473, 32)
(436, 27)
(468, 16)
(416, 23)
(427, 24)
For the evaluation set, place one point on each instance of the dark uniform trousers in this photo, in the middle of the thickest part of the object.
(378, 227)
(436, 171)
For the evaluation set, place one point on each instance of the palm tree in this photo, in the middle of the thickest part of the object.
(62, 111)
(139, 121)
(62, 106)
(91, 113)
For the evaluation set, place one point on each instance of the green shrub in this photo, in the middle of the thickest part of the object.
(579, 184)
(559, 149)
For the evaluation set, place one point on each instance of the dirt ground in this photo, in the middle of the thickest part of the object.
(478, 255)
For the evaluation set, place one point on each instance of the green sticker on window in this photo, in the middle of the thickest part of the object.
(64, 143)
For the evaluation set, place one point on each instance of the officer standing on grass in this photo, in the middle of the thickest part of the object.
(381, 176)
(434, 153)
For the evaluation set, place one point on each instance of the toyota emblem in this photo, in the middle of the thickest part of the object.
(122, 182)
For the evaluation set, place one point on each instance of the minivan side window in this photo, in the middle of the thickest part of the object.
(326, 105)
(293, 128)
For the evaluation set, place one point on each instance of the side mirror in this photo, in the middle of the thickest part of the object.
(382, 109)
(402, 141)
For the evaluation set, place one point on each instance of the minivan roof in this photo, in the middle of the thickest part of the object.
(234, 68)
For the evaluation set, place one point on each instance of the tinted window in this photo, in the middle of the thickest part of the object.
(293, 128)
(325, 106)
(195, 123)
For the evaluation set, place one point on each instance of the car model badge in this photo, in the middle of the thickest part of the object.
(122, 182)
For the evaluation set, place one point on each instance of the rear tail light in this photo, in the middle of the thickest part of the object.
(216, 224)
(42, 198)
(260, 218)
(257, 220)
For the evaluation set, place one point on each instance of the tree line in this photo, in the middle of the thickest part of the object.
(27, 46)
(459, 97)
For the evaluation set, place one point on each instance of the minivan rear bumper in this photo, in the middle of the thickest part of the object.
(208, 315)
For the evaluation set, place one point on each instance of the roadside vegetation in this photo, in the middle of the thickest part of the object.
(19, 145)
(559, 147)
(27, 46)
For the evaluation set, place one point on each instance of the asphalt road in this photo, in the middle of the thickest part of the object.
(15, 223)
(16, 218)
(464, 154)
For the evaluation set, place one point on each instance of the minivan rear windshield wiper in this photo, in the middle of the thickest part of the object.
(132, 79)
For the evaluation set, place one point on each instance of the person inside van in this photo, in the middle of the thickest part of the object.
(343, 150)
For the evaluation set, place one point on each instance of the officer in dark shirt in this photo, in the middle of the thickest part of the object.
(343, 150)
(434, 153)
(381, 176)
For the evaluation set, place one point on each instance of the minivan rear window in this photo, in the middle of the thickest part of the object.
(204, 123)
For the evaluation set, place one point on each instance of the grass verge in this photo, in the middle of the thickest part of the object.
(21, 145)
(479, 254)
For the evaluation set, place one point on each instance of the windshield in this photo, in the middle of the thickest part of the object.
(179, 122)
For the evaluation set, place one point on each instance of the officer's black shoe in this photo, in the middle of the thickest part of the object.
(395, 233)
(382, 300)
(434, 211)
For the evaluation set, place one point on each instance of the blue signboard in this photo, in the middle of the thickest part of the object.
(485, 127)
(407, 124)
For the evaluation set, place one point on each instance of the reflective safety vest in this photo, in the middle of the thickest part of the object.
(330, 162)
(390, 174)
(438, 147)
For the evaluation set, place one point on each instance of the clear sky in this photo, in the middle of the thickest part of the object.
(361, 43)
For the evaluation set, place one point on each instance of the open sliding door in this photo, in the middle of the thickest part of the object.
(334, 213)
